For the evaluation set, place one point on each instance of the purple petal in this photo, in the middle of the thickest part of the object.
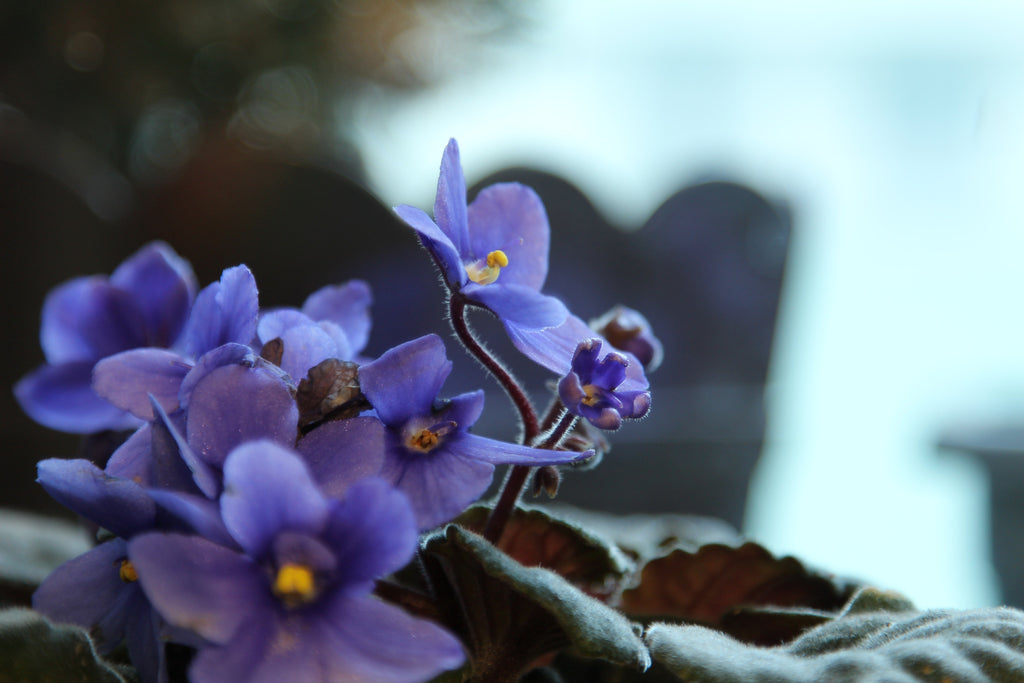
(372, 640)
(192, 513)
(584, 360)
(307, 346)
(636, 403)
(243, 655)
(82, 590)
(601, 416)
(128, 379)
(199, 585)
(450, 202)
(171, 448)
(520, 305)
(61, 397)
(551, 347)
(268, 489)
(225, 311)
(465, 409)
(143, 638)
(405, 380)
(342, 452)
(273, 324)
(439, 484)
(437, 243)
(554, 348)
(347, 306)
(610, 372)
(87, 319)
(571, 392)
(119, 505)
(132, 459)
(511, 217)
(228, 354)
(501, 453)
(373, 529)
(163, 286)
(234, 404)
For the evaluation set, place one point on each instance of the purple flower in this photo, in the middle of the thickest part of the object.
(628, 330)
(97, 590)
(592, 389)
(334, 323)
(295, 603)
(220, 327)
(493, 252)
(429, 452)
(145, 302)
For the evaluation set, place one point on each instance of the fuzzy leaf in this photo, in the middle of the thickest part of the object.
(645, 537)
(33, 649)
(709, 584)
(534, 538)
(877, 638)
(509, 615)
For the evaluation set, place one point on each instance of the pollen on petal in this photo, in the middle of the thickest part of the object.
(424, 440)
(486, 270)
(294, 584)
(127, 572)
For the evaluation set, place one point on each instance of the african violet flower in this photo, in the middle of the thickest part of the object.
(493, 252)
(628, 330)
(293, 601)
(334, 323)
(592, 389)
(221, 324)
(98, 589)
(145, 302)
(429, 452)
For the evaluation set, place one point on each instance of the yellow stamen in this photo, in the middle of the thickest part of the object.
(294, 584)
(127, 572)
(593, 396)
(486, 271)
(425, 440)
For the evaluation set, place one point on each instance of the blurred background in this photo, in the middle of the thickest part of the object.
(816, 206)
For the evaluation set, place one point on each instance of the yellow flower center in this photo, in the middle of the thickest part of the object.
(127, 572)
(593, 395)
(424, 440)
(485, 271)
(295, 584)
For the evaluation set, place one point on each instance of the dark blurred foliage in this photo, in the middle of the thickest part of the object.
(144, 84)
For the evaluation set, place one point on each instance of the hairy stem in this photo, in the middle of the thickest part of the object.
(457, 314)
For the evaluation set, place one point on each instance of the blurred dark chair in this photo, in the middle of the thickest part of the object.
(707, 271)
(1001, 450)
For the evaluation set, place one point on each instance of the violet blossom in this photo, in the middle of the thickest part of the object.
(293, 600)
(144, 303)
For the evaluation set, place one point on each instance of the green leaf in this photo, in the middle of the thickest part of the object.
(535, 538)
(33, 650)
(509, 615)
(31, 546)
(877, 638)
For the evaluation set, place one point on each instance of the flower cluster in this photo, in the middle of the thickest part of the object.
(276, 474)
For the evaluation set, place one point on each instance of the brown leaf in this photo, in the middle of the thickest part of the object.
(330, 390)
(708, 584)
(534, 538)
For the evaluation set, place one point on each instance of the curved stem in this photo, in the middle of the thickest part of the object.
(457, 314)
(553, 438)
(502, 511)
(513, 486)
